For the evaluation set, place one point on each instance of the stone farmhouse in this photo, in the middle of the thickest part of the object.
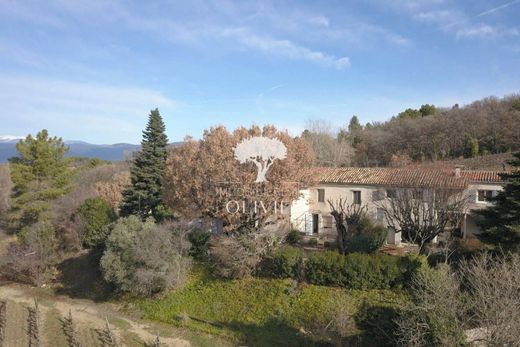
(368, 186)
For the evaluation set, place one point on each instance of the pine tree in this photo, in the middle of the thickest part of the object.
(143, 197)
(501, 221)
(40, 174)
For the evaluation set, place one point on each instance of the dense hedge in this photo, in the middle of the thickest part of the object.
(361, 271)
(352, 271)
(285, 262)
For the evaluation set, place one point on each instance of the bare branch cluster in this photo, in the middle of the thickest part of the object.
(421, 214)
(347, 217)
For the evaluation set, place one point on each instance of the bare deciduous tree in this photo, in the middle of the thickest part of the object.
(421, 214)
(347, 218)
(477, 305)
(494, 284)
(329, 148)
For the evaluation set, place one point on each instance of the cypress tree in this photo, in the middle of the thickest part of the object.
(501, 221)
(143, 196)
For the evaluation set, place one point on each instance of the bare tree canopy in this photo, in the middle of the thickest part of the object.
(421, 214)
(205, 179)
(330, 148)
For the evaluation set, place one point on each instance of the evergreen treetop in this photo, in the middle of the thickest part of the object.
(143, 197)
(501, 221)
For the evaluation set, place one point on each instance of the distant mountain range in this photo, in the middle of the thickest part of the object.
(118, 151)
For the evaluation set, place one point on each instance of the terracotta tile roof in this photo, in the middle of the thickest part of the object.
(482, 176)
(404, 177)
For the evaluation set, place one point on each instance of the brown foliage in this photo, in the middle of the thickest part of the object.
(85, 186)
(202, 176)
(112, 190)
(237, 256)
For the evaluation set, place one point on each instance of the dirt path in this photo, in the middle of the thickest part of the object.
(86, 313)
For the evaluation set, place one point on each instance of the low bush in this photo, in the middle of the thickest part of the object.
(32, 257)
(361, 271)
(285, 262)
(239, 255)
(200, 242)
(369, 239)
(96, 215)
(143, 258)
(293, 237)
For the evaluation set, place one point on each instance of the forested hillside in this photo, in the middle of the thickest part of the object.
(487, 126)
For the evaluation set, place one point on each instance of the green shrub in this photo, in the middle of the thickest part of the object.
(96, 215)
(326, 268)
(362, 271)
(199, 244)
(370, 237)
(293, 237)
(285, 262)
(378, 322)
(411, 265)
(143, 258)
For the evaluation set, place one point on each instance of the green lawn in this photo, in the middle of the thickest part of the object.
(270, 312)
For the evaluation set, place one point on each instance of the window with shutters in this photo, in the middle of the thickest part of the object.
(357, 197)
(484, 195)
(321, 195)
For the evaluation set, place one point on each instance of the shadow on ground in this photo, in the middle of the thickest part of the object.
(80, 278)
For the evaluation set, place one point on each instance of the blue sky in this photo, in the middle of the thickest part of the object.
(91, 70)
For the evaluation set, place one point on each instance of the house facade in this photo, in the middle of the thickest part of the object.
(371, 187)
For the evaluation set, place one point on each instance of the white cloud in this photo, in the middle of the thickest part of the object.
(91, 110)
(285, 48)
(481, 30)
(320, 21)
(441, 17)
(485, 31)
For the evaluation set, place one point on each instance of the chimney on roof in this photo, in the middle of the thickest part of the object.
(457, 170)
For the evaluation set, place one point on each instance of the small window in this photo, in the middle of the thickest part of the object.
(391, 193)
(321, 195)
(380, 215)
(484, 195)
(357, 197)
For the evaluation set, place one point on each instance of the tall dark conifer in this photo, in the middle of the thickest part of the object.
(501, 222)
(143, 197)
